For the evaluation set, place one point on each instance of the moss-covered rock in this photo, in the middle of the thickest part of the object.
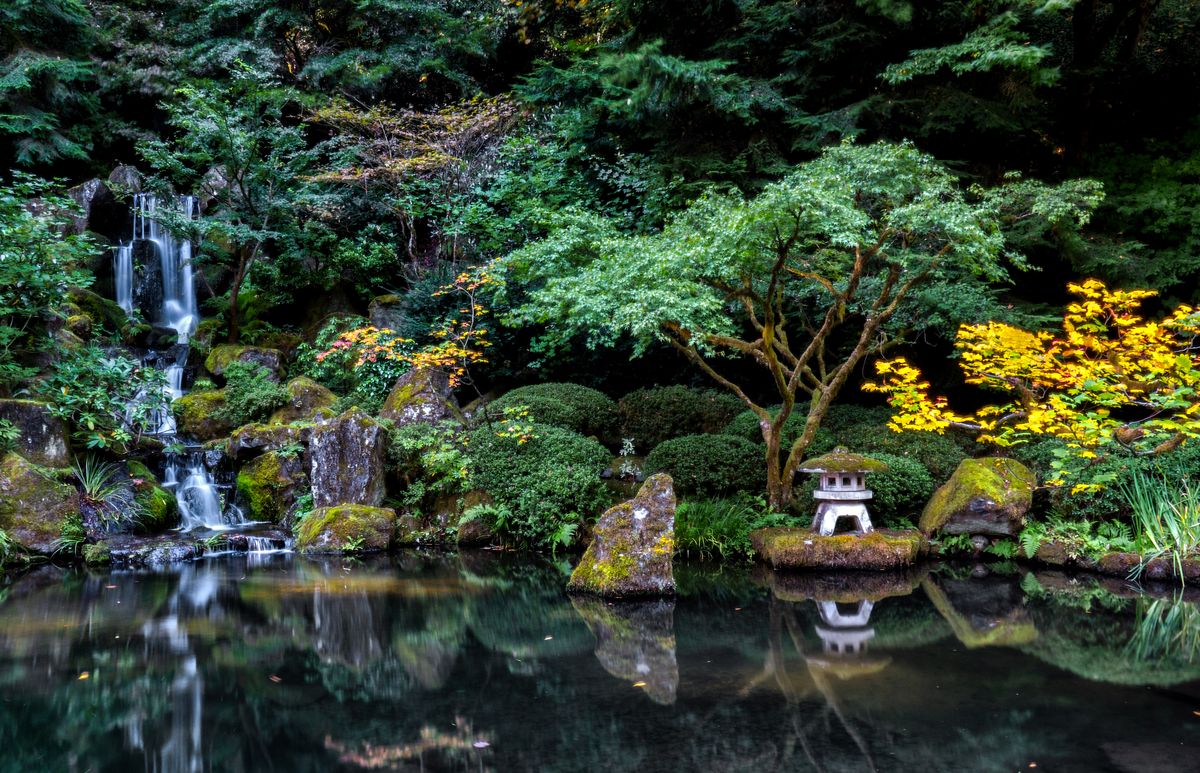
(199, 415)
(421, 396)
(796, 548)
(389, 312)
(269, 485)
(631, 553)
(160, 509)
(80, 325)
(306, 401)
(984, 496)
(100, 310)
(347, 529)
(33, 508)
(346, 460)
(982, 613)
(222, 355)
(250, 440)
(97, 554)
(43, 437)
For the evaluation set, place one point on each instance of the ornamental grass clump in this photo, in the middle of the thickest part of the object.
(1166, 517)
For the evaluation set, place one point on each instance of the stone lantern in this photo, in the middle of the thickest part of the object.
(841, 489)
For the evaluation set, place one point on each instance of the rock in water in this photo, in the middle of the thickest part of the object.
(631, 553)
(347, 529)
(42, 438)
(984, 496)
(635, 640)
(33, 508)
(346, 457)
(421, 396)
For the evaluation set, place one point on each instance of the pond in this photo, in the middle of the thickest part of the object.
(479, 662)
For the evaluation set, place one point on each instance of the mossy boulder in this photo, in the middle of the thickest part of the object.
(631, 553)
(101, 311)
(797, 548)
(269, 485)
(306, 401)
(97, 554)
(346, 460)
(250, 440)
(982, 612)
(80, 325)
(43, 437)
(389, 312)
(421, 396)
(988, 496)
(33, 507)
(160, 509)
(222, 355)
(199, 415)
(347, 529)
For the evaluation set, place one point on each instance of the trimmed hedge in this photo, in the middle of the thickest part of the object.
(712, 465)
(569, 406)
(745, 425)
(549, 481)
(651, 416)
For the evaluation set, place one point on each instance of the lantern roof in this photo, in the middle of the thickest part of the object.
(841, 460)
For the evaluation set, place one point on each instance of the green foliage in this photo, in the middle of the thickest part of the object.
(72, 537)
(570, 406)
(1078, 539)
(430, 460)
(745, 424)
(720, 528)
(9, 435)
(1166, 628)
(250, 394)
(37, 265)
(1166, 514)
(709, 465)
(938, 454)
(545, 483)
(655, 414)
(107, 399)
(106, 491)
(366, 385)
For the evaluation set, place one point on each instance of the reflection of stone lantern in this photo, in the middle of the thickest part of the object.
(842, 489)
(844, 637)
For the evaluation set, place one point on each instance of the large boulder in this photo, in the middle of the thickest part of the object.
(389, 312)
(42, 437)
(347, 529)
(631, 553)
(988, 496)
(306, 401)
(223, 355)
(421, 396)
(198, 415)
(250, 440)
(33, 508)
(270, 484)
(346, 460)
(102, 311)
(635, 642)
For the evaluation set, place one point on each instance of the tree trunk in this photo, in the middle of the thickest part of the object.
(234, 290)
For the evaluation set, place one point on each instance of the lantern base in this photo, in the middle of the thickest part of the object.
(828, 514)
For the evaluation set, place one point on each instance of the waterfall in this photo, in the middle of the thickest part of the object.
(178, 310)
(123, 276)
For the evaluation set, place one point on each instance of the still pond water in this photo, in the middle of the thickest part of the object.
(479, 662)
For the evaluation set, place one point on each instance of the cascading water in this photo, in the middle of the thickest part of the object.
(188, 474)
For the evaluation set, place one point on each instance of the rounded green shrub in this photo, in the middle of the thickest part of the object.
(712, 465)
(745, 425)
(653, 415)
(937, 453)
(842, 419)
(543, 487)
(569, 406)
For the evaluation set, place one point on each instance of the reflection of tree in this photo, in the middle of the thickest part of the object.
(435, 748)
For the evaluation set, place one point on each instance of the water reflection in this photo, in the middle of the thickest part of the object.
(480, 661)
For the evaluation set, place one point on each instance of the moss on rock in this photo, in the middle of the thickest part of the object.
(199, 414)
(42, 437)
(100, 310)
(269, 485)
(223, 355)
(98, 554)
(347, 529)
(250, 440)
(634, 542)
(421, 396)
(306, 400)
(984, 496)
(33, 508)
(797, 548)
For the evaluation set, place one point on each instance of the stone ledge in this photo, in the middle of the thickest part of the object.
(800, 548)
